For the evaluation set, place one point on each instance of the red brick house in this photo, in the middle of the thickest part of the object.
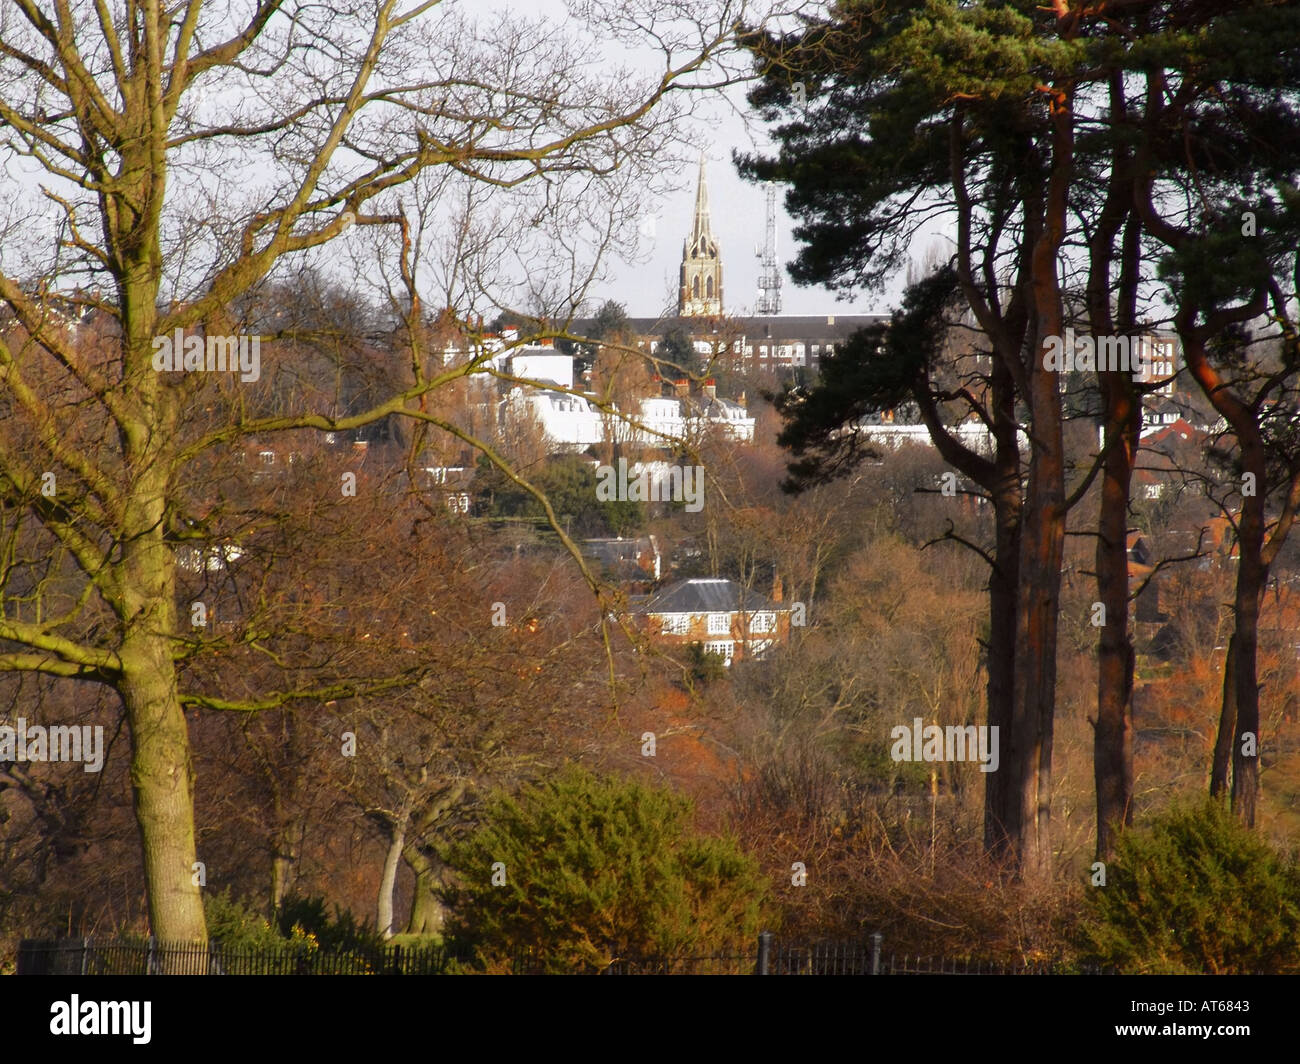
(719, 614)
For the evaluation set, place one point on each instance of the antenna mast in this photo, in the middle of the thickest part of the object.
(769, 280)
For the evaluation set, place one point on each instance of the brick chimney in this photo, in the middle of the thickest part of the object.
(682, 388)
(710, 389)
(778, 589)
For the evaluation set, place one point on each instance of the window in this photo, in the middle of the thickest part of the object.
(695, 288)
(719, 624)
(708, 287)
(267, 457)
(763, 622)
(726, 649)
(674, 624)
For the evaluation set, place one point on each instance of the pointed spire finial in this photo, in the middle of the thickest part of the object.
(701, 233)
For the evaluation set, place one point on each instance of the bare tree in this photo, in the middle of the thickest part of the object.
(184, 158)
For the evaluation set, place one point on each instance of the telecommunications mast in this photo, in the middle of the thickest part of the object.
(769, 280)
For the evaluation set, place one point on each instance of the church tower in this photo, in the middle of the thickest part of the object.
(701, 291)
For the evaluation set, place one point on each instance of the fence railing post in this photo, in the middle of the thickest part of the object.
(764, 952)
(875, 953)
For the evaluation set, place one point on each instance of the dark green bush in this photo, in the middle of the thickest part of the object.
(340, 933)
(707, 666)
(597, 869)
(236, 924)
(1195, 892)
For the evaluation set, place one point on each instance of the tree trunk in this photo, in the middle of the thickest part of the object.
(428, 914)
(1122, 407)
(1227, 722)
(1239, 723)
(1113, 736)
(1000, 477)
(162, 783)
(284, 865)
(1252, 577)
(1042, 544)
(288, 813)
(1001, 812)
(388, 881)
(1042, 549)
(162, 770)
(162, 774)
(1035, 684)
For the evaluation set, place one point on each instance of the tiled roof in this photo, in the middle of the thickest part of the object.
(705, 596)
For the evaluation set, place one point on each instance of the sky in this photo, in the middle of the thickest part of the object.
(738, 216)
(722, 124)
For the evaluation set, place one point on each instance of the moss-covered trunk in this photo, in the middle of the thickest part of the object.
(428, 914)
(162, 778)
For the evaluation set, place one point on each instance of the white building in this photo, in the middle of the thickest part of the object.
(972, 434)
(571, 422)
(543, 364)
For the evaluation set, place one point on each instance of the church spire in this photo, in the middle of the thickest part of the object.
(701, 289)
(701, 234)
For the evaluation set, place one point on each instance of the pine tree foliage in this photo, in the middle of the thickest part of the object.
(596, 869)
(1196, 892)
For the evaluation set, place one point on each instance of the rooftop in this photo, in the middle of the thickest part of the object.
(767, 327)
(702, 595)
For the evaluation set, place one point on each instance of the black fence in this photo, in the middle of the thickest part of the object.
(773, 957)
(769, 957)
(88, 956)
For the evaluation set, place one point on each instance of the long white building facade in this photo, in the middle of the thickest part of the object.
(572, 422)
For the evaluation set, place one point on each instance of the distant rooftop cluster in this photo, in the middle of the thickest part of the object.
(574, 421)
